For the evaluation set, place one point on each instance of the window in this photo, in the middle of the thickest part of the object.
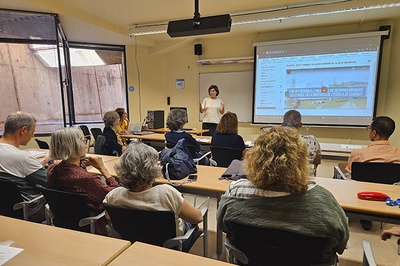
(60, 83)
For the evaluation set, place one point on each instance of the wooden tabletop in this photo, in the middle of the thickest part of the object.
(190, 131)
(148, 255)
(207, 180)
(345, 192)
(48, 245)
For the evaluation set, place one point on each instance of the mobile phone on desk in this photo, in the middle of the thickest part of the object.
(192, 178)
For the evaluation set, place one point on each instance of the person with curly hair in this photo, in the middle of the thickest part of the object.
(278, 194)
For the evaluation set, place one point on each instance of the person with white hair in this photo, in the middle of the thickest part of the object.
(69, 146)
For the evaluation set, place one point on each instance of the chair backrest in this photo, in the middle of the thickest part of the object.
(85, 131)
(9, 195)
(42, 144)
(152, 227)
(67, 208)
(276, 247)
(96, 132)
(375, 172)
(368, 255)
(99, 145)
(191, 148)
(224, 156)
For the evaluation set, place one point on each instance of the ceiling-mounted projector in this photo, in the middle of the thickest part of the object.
(200, 26)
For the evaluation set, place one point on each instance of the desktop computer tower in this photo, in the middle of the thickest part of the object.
(155, 119)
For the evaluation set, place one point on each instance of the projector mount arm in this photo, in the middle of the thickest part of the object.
(196, 17)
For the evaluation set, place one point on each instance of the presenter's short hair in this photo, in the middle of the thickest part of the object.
(292, 118)
(176, 119)
(215, 87)
(384, 126)
(138, 166)
(66, 143)
(110, 117)
(228, 124)
(17, 120)
(278, 161)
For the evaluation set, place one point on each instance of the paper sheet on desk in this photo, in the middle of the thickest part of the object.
(203, 140)
(7, 253)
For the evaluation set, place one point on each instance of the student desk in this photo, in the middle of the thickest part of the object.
(345, 192)
(48, 245)
(148, 255)
(190, 131)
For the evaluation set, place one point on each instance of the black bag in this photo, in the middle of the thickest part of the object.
(177, 162)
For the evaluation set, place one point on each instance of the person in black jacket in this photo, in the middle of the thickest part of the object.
(113, 145)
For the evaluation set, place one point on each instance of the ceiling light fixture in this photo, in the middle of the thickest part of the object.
(286, 12)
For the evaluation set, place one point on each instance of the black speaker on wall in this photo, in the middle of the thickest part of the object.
(198, 49)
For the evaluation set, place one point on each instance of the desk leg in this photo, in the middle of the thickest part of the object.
(219, 232)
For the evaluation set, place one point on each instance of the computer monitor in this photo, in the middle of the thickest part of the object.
(182, 108)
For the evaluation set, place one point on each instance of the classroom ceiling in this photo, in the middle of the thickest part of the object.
(109, 21)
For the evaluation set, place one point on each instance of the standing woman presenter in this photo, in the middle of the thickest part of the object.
(213, 108)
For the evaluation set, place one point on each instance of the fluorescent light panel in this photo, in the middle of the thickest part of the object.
(139, 30)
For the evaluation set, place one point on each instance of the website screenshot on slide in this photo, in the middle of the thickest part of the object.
(327, 85)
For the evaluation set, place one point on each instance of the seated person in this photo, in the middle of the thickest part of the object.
(67, 145)
(175, 122)
(292, 118)
(379, 150)
(277, 193)
(226, 134)
(136, 171)
(19, 166)
(122, 127)
(113, 145)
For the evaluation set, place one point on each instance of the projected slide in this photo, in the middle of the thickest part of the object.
(330, 82)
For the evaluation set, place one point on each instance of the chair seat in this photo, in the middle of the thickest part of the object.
(153, 227)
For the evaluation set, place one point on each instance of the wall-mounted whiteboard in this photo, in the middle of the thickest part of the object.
(235, 90)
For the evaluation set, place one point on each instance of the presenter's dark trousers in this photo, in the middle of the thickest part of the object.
(211, 128)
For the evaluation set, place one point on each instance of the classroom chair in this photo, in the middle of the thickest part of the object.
(96, 131)
(42, 144)
(376, 172)
(223, 156)
(86, 134)
(12, 203)
(69, 210)
(249, 245)
(155, 227)
(368, 255)
(193, 154)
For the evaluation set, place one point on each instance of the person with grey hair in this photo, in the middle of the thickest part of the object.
(68, 145)
(137, 170)
(113, 145)
(20, 166)
(292, 118)
(175, 121)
